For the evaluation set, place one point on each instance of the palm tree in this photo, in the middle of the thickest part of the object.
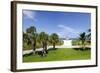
(89, 35)
(83, 39)
(31, 30)
(43, 39)
(26, 41)
(32, 35)
(25, 37)
(54, 38)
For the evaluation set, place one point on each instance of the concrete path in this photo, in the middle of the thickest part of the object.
(49, 47)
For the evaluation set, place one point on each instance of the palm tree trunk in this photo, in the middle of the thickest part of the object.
(46, 47)
(34, 47)
(43, 46)
(53, 45)
(83, 45)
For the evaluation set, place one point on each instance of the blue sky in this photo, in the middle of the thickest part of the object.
(65, 24)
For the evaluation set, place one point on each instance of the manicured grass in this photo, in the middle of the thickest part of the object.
(60, 54)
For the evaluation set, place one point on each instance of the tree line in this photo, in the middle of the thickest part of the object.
(31, 37)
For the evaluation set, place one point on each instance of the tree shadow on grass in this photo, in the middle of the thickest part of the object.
(51, 49)
(29, 54)
(41, 53)
(82, 49)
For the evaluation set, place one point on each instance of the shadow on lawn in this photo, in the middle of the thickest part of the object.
(40, 53)
(82, 49)
(28, 54)
(50, 49)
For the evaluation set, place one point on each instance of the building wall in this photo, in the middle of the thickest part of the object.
(67, 43)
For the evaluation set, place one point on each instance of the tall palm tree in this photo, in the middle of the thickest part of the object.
(32, 35)
(54, 38)
(89, 35)
(43, 39)
(83, 39)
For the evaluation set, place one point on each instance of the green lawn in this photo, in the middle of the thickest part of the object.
(60, 54)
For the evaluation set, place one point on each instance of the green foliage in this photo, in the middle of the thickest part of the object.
(34, 40)
(43, 39)
(78, 43)
(30, 38)
(83, 39)
(60, 42)
(27, 46)
(54, 38)
(31, 30)
(88, 37)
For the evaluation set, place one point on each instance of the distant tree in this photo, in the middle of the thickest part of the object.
(54, 38)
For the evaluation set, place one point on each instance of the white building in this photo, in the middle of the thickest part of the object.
(67, 42)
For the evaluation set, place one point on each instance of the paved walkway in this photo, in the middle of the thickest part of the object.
(49, 47)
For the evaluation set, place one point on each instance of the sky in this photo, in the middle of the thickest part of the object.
(65, 24)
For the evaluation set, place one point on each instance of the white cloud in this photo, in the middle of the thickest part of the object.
(29, 14)
(66, 31)
(66, 28)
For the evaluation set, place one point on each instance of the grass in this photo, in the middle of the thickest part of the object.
(60, 54)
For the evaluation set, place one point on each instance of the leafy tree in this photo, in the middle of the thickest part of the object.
(54, 38)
